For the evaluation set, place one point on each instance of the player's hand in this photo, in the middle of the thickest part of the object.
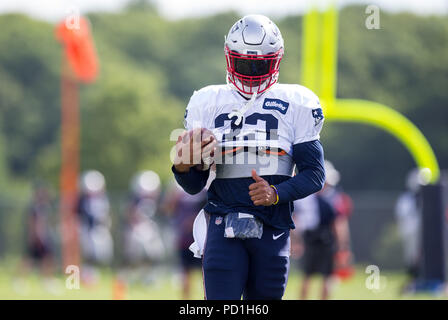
(209, 144)
(261, 193)
(190, 149)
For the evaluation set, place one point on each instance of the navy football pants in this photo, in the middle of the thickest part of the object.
(255, 268)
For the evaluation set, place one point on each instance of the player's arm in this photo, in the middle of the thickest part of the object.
(309, 159)
(307, 152)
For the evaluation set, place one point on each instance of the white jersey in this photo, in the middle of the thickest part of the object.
(276, 120)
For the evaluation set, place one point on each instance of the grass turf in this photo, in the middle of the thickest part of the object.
(165, 285)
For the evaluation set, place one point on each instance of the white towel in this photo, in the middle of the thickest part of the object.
(199, 234)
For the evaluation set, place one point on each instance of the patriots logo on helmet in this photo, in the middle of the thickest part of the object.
(318, 116)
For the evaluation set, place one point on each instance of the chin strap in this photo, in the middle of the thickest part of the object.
(240, 112)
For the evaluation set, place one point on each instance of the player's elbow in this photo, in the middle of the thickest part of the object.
(319, 186)
(315, 180)
(316, 187)
(193, 191)
(321, 178)
(318, 179)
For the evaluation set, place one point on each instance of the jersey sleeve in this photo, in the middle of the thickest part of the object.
(192, 117)
(308, 120)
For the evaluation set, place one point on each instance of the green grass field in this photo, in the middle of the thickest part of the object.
(166, 285)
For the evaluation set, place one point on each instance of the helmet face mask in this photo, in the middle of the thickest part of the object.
(252, 73)
(253, 50)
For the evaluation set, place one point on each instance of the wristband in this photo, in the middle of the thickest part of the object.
(276, 194)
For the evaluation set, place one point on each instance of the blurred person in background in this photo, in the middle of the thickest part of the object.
(408, 217)
(183, 208)
(322, 232)
(95, 222)
(314, 218)
(39, 241)
(343, 206)
(143, 245)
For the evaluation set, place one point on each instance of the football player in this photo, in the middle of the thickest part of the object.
(255, 130)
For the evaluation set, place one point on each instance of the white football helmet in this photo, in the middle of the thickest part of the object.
(92, 181)
(253, 50)
(146, 183)
(332, 176)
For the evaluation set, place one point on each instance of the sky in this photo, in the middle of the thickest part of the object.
(55, 10)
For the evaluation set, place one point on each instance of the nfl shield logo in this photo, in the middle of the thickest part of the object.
(218, 221)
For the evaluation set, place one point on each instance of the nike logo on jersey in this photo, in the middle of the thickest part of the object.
(276, 104)
(275, 237)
